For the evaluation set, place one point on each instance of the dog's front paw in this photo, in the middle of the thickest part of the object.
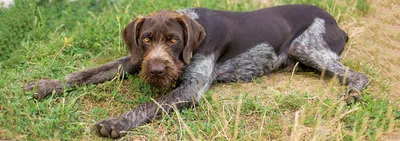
(44, 87)
(352, 97)
(113, 128)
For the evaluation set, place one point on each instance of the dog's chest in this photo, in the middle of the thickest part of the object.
(257, 61)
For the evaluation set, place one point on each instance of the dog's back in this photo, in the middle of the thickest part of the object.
(277, 26)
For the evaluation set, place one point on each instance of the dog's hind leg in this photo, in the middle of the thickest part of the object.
(96, 75)
(312, 50)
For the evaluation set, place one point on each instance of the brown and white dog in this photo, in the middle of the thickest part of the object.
(192, 48)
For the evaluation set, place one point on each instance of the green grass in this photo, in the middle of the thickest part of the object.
(49, 39)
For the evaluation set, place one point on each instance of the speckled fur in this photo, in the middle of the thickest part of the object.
(96, 75)
(257, 61)
(311, 49)
(100, 74)
(189, 12)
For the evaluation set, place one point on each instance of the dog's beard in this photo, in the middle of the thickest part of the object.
(168, 79)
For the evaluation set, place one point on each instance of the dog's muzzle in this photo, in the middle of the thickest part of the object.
(159, 68)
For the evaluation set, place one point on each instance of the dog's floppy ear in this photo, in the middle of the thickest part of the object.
(130, 35)
(194, 35)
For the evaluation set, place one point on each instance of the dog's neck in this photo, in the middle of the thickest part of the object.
(191, 13)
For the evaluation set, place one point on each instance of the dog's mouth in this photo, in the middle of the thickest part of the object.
(159, 75)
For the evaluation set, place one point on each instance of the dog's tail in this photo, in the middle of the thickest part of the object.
(346, 37)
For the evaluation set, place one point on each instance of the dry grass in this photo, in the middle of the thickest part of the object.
(376, 40)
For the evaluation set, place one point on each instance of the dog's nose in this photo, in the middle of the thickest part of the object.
(157, 69)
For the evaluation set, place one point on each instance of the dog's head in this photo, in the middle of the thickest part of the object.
(162, 43)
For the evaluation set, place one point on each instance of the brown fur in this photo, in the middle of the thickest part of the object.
(160, 52)
(161, 55)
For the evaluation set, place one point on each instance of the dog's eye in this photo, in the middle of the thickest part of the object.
(146, 40)
(173, 40)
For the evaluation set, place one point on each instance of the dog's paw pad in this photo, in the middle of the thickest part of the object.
(109, 128)
(114, 132)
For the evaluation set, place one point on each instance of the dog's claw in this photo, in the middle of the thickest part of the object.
(352, 98)
(36, 96)
(114, 133)
(356, 96)
(110, 128)
(103, 130)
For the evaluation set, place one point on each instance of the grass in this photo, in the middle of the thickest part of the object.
(49, 39)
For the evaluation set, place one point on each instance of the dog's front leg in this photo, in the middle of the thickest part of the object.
(195, 81)
(96, 75)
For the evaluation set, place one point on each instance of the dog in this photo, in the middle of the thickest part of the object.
(190, 49)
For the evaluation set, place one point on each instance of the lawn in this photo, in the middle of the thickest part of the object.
(52, 38)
